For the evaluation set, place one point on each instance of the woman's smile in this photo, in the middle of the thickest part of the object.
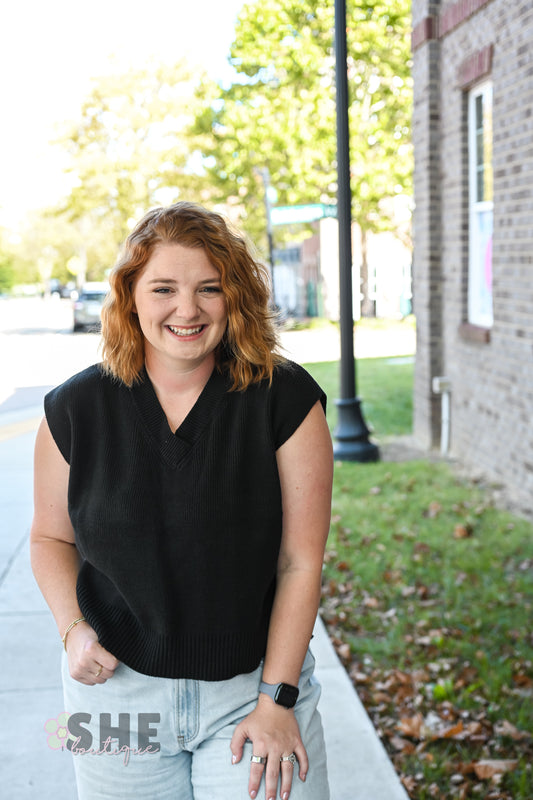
(186, 332)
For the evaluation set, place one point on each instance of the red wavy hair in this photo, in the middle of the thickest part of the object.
(248, 349)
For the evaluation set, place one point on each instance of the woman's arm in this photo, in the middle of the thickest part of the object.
(305, 465)
(55, 561)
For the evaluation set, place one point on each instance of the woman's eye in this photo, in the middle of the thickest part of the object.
(211, 289)
(162, 290)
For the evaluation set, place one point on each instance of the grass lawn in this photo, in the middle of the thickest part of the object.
(385, 386)
(428, 598)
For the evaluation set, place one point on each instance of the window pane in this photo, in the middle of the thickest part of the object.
(479, 184)
(481, 206)
(480, 283)
(479, 112)
(487, 145)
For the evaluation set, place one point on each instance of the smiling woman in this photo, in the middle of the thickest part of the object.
(183, 493)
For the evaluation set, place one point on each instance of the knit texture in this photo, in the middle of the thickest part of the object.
(179, 533)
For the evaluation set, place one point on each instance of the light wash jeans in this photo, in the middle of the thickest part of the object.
(190, 723)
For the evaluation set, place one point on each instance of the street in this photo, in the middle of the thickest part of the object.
(39, 349)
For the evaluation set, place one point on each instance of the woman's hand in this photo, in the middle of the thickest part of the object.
(88, 661)
(273, 731)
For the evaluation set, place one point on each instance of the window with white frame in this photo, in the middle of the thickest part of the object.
(480, 205)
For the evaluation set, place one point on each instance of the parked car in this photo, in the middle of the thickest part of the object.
(87, 306)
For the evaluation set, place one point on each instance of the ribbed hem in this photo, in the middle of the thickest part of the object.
(200, 656)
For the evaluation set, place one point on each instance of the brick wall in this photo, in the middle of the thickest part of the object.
(454, 45)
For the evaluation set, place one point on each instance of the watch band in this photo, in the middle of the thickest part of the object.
(284, 694)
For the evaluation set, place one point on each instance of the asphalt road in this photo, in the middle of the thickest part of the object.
(39, 350)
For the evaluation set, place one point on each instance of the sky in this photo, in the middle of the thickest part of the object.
(50, 50)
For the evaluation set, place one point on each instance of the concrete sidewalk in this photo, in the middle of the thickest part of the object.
(30, 690)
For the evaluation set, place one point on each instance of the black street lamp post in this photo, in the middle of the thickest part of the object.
(351, 434)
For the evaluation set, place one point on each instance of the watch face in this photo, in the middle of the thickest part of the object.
(286, 695)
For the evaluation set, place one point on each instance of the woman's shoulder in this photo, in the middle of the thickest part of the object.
(294, 393)
(81, 384)
(290, 376)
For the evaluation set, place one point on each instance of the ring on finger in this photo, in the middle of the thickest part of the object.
(98, 671)
(291, 758)
(258, 759)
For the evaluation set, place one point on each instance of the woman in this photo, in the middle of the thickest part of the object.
(182, 504)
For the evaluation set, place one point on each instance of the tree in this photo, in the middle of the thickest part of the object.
(130, 150)
(7, 269)
(45, 244)
(281, 114)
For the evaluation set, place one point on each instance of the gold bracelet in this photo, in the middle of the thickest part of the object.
(72, 625)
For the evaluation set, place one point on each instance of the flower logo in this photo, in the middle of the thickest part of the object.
(57, 730)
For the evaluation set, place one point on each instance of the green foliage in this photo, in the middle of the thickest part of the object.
(428, 593)
(130, 150)
(15, 269)
(282, 114)
(7, 270)
(7, 274)
(385, 386)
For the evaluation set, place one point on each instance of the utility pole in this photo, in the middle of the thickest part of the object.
(351, 434)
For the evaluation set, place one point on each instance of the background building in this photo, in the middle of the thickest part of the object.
(473, 231)
(306, 275)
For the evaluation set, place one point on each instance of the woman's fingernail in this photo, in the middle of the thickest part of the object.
(234, 759)
(285, 796)
(304, 776)
(253, 793)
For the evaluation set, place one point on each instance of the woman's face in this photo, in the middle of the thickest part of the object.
(181, 308)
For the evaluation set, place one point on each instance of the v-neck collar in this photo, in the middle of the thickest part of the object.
(173, 447)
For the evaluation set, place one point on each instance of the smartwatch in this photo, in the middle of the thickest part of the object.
(281, 693)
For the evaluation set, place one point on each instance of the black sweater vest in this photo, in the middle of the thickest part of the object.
(178, 533)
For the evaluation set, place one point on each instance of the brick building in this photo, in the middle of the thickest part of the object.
(473, 242)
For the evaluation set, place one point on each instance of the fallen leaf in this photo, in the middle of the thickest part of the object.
(506, 728)
(454, 732)
(409, 783)
(381, 697)
(433, 510)
(488, 768)
(402, 745)
(344, 652)
(411, 726)
(343, 566)
(462, 531)
(359, 677)
(520, 679)
(392, 575)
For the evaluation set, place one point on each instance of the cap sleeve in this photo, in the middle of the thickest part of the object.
(58, 419)
(293, 394)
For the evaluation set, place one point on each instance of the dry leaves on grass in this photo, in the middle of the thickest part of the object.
(415, 728)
